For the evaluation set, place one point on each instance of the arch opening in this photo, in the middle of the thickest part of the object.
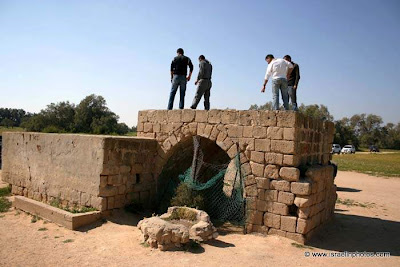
(208, 171)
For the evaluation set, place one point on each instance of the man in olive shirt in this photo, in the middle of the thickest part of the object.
(203, 83)
(293, 82)
(178, 77)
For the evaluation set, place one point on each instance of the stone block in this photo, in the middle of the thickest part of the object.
(280, 185)
(262, 182)
(263, 145)
(280, 208)
(289, 119)
(272, 220)
(229, 117)
(304, 212)
(108, 191)
(275, 133)
(251, 203)
(302, 188)
(255, 217)
(288, 223)
(248, 131)
(303, 201)
(261, 194)
(248, 117)
(286, 198)
(234, 130)
(267, 118)
(299, 238)
(271, 195)
(260, 132)
(290, 134)
(257, 156)
(291, 160)
(188, 115)
(201, 116)
(290, 174)
(174, 115)
(283, 146)
(271, 171)
(251, 190)
(303, 226)
(257, 169)
(274, 158)
(214, 116)
(248, 179)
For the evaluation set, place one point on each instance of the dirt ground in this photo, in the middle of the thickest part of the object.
(369, 222)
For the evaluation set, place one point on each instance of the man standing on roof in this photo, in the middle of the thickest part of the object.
(293, 81)
(203, 83)
(279, 71)
(178, 78)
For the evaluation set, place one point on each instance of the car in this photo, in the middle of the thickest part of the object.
(336, 149)
(348, 149)
(373, 149)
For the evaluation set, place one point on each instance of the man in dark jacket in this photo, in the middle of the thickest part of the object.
(203, 83)
(293, 82)
(178, 77)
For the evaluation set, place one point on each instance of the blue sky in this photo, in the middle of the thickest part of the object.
(51, 51)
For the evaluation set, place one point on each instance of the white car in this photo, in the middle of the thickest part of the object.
(348, 149)
(336, 149)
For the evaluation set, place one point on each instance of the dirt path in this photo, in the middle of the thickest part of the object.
(371, 222)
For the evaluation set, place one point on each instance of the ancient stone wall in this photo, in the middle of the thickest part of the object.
(79, 170)
(284, 160)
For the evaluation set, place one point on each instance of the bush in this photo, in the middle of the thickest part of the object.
(185, 196)
(5, 204)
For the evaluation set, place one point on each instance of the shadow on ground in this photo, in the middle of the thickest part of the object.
(358, 233)
(348, 189)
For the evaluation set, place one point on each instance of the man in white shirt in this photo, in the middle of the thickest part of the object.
(278, 70)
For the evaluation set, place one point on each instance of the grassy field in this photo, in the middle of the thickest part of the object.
(385, 164)
(14, 129)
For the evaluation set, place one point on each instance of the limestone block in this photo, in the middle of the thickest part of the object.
(262, 182)
(291, 160)
(275, 133)
(201, 116)
(248, 131)
(283, 146)
(188, 115)
(274, 158)
(254, 217)
(290, 174)
(251, 190)
(289, 119)
(175, 115)
(260, 193)
(262, 145)
(148, 127)
(271, 195)
(280, 208)
(272, 220)
(214, 116)
(229, 117)
(286, 198)
(303, 201)
(248, 117)
(257, 156)
(260, 132)
(288, 223)
(303, 226)
(301, 188)
(304, 212)
(267, 118)
(234, 130)
(290, 134)
(257, 169)
(271, 171)
(251, 203)
(280, 185)
(248, 179)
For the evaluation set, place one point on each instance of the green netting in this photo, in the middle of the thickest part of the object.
(222, 193)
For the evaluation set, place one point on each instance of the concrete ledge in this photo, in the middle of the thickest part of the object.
(61, 217)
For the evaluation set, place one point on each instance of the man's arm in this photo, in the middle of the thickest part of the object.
(297, 73)
(290, 69)
(191, 69)
(172, 69)
(267, 75)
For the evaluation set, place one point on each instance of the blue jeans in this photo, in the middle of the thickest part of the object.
(293, 97)
(178, 80)
(280, 84)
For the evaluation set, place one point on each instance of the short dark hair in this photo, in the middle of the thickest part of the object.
(180, 51)
(288, 57)
(269, 56)
(202, 57)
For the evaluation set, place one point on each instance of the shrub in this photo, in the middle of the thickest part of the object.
(185, 196)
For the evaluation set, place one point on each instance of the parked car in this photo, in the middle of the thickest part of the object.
(373, 149)
(348, 149)
(336, 149)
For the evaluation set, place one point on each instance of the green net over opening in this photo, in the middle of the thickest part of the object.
(220, 185)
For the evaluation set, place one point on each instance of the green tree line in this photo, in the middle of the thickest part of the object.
(360, 130)
(91, 115)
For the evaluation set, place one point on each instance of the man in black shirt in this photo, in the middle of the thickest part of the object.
(203, 83)
(178, 77)
(293, 82)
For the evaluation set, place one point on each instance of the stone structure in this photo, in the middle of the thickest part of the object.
(169, 230)
(284, 157)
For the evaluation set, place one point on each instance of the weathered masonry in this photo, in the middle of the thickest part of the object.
(284, 161)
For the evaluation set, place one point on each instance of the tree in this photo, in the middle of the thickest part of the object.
(7, 123)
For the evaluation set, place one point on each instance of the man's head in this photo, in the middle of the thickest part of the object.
(179, 51)
(201, 58)
(287, 58)
(269, 58)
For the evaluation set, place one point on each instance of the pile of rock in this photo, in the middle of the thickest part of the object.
(177, 227)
